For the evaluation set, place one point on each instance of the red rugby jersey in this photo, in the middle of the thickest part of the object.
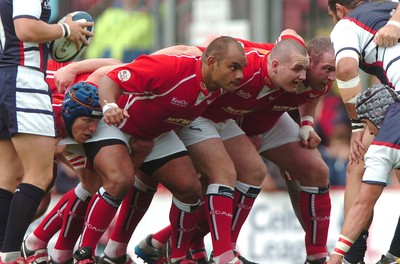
(161, 93)
(262, 121)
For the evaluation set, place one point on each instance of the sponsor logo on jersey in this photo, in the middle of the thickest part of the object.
(233, 111)
(177, 102)
(178, 121)
(124, 75)
(245, 95)
(283, 108)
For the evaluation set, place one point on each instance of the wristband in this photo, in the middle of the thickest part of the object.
(394, 23)
(343, 245)
(67, 30)
(307, 121)
(63, 30)
(109, 106)
(357, 125)
(306, 126)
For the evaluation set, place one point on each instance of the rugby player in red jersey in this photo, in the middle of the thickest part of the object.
(159, 94)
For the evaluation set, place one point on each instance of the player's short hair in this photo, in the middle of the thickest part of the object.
(319, 45)
(81, 100)
(373, 102)
(349, 4)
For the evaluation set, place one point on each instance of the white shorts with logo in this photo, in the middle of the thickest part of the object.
(286, 130)
(202, 128)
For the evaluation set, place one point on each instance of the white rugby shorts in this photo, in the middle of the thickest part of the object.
(202, 128)
(25, 103)
(165, 145)
(286, 130)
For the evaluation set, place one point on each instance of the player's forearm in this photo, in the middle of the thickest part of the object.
(308, 109)
(108, 91)
(91, 65)
(349, 84)
(396, 15)
(37, 31)
(356, 220)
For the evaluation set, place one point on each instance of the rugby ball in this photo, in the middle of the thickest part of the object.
(63, 50)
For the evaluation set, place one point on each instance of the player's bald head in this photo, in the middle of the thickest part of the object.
(285, 49)
(221, 46)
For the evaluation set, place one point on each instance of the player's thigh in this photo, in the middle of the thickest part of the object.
(213, 161)
(250, 168)
(37, 155)
(114, 165)
(306, 165)
(10, 166)
(203, 141)
(180, 178)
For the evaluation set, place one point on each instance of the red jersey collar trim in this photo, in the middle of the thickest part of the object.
(200, 83)
(267, 79)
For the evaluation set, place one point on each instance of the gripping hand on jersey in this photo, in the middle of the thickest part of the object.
(389, 35)
(308, 137)
(113, 115)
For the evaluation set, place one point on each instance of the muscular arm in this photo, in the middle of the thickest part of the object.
(100, 72)
(308, 109)
(65, 76)
(346, 70)
(179, 50)
(109, 93)
(32, 30)
(37, 31)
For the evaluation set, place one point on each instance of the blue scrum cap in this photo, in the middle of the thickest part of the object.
(81, 100)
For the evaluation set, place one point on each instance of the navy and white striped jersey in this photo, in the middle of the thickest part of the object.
(12, 50)
(356, 31)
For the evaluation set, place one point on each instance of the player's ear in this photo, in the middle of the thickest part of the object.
(341, 11)
(211, 62)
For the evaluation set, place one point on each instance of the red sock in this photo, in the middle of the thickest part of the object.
(163, 235)
(132, 210)
(99, 215)
(72, 224)
(242, 204)
(315, 210)
(183, 223)
(202, 229)
(52, 223)
(218, 206)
